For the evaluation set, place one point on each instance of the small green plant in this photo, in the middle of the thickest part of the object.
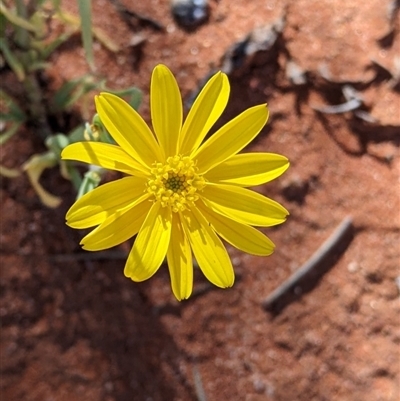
(26, 44)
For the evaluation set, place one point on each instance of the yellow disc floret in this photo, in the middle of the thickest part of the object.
(176, 183)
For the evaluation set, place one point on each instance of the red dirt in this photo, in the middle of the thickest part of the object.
(73, 328)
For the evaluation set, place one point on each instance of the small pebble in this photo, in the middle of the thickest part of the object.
(190, 13)
(397, 281)
(259, 386)
(352, 267)
(295, 73)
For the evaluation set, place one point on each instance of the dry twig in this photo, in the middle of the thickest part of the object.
(313, 263)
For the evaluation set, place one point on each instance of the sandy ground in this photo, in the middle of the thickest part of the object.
(73, 328)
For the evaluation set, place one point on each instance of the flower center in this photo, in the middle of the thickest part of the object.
(176, 183)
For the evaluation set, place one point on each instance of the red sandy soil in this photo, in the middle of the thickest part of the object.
(74, 328)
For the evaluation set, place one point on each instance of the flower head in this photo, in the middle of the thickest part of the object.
(181, 193)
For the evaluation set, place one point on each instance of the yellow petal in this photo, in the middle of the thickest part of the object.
(104, 155)
(128, 129)
(207, 108)
(241, 236)
(95, 206)
(151, 244)
(117, 228)
(243, 205)
(249, 169)
(231, 138)
(166, 109)
(179, 257)
(208, 249)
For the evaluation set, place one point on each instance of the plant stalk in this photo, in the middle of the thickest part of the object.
(36, 109)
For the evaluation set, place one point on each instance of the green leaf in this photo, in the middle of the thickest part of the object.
(38, 66)
(16, 20)
(56, 143)
(70, 172)
(47, 50)
(12, 60)
(3, 25)
(5, 136)
(101, 134)
(34, 168)
(13, 113)
(134, 96)
(90, 181)
(77, 134)
(85, 14)
(71, 91)
(9, 172)
(62, 97)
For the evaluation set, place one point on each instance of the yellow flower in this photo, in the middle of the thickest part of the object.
(181, 191)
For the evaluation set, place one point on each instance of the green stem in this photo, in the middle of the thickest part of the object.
(36, 109)
(22, 35)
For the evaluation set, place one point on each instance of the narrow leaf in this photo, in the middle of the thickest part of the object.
(85, 14)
